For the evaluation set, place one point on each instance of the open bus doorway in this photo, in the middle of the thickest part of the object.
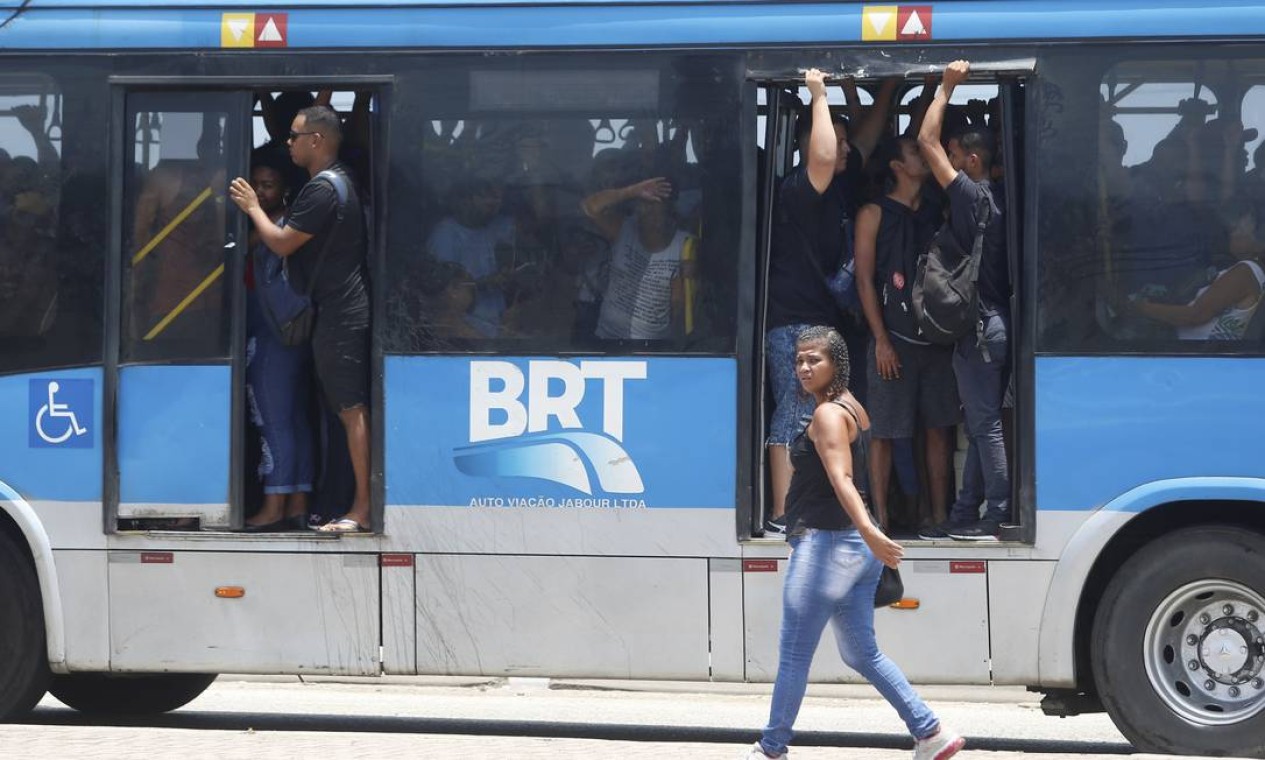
(298, 471)
(192, 323)
(993, 98)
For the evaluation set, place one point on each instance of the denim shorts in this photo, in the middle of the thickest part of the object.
(792, 407)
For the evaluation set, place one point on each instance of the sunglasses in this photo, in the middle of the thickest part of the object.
(295, 135)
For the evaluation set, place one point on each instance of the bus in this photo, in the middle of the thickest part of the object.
(548, 502)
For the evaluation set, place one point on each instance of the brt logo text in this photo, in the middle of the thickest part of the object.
(529, 425)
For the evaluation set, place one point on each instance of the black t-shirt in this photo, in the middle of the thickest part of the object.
(964, 200)
(807, 224)
(340, 282)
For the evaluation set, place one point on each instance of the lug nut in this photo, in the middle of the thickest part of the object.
(1193, 664)
(1205, 618)
(1210, 685)
(1252, 616)
(1234, 691)
(1192, 639)
(1257, 683)
(1228, 609)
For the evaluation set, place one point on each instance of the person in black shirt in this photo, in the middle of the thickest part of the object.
(980, 359)
(340, 337)
(910, 380)
(814, 206)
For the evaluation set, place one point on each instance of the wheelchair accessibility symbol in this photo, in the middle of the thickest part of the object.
(61, 411)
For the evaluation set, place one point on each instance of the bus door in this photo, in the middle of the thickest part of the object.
(180, 322)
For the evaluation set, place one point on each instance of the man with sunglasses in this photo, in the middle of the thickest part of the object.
(314, 229)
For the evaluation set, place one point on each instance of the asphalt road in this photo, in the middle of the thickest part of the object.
(284, 718)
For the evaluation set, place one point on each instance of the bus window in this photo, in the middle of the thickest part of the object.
(174, 299)
(566, 210)
(50, 286)
(1160, 248)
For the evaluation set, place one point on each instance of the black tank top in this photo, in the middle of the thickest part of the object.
(811, 500)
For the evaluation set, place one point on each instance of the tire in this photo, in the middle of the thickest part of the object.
(1193, 597)
(139, 694)
(23, 656)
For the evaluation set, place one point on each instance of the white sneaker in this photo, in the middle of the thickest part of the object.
(757, 753)
(943, 745)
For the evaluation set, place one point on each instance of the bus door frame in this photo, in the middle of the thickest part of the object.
(120, 160)
(779, 152)
(382, 86)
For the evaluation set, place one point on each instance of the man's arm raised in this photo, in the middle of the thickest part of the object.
(933, 123)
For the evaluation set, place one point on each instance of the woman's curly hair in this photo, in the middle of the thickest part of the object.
(836, 349)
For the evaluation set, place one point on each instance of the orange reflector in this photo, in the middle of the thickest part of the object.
(230, 592)
(906, 604)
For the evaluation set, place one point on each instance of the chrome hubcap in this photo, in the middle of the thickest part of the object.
(1205, 650)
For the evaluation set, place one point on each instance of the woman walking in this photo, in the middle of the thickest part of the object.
(837, 555)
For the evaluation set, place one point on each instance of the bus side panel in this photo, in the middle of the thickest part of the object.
(298, 613)
(85, 605)
(953, 602)
(577, 617)
(399, 614)
(1016, 600)
(727, 640)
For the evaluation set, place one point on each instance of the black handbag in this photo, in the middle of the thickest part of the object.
(891, 589)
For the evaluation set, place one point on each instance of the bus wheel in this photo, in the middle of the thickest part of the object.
(1178, 644)
(129, 694)
(23, 657)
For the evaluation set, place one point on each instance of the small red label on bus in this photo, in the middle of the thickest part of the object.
(759, 566)
(395, 560)
(966, 567)
(157, 558)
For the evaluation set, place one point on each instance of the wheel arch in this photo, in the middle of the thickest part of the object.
(19, 521)
(1107, 540)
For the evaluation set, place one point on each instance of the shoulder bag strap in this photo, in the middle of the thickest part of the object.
(984, 214)
(340, 187)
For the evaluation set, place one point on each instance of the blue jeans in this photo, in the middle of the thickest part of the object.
(832, 576)
(277, 381)
(982, 372)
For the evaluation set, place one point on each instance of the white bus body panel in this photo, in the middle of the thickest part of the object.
(1015, 592)
(945, 640)
(728, 640)
(300, 614)
(577, 617)
(86, 607)
(399, 614)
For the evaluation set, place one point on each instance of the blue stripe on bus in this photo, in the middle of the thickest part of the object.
(1108, 425)
(49, 26)
(174, 434)
(39, 470)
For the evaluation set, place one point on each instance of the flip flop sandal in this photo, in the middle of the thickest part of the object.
(342, 525)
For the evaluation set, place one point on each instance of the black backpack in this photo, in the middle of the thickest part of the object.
(946, 288)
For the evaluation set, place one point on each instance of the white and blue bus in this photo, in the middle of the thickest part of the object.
(550, 503)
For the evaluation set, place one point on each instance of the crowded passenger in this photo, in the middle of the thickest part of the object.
(324, 239)
(277, 380)
(482, 240)
(910, 382)
(814, 207)
(981, 358)
(1223, 309)
(644, 298)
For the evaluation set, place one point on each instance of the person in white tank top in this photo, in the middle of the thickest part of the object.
(1222, 309)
